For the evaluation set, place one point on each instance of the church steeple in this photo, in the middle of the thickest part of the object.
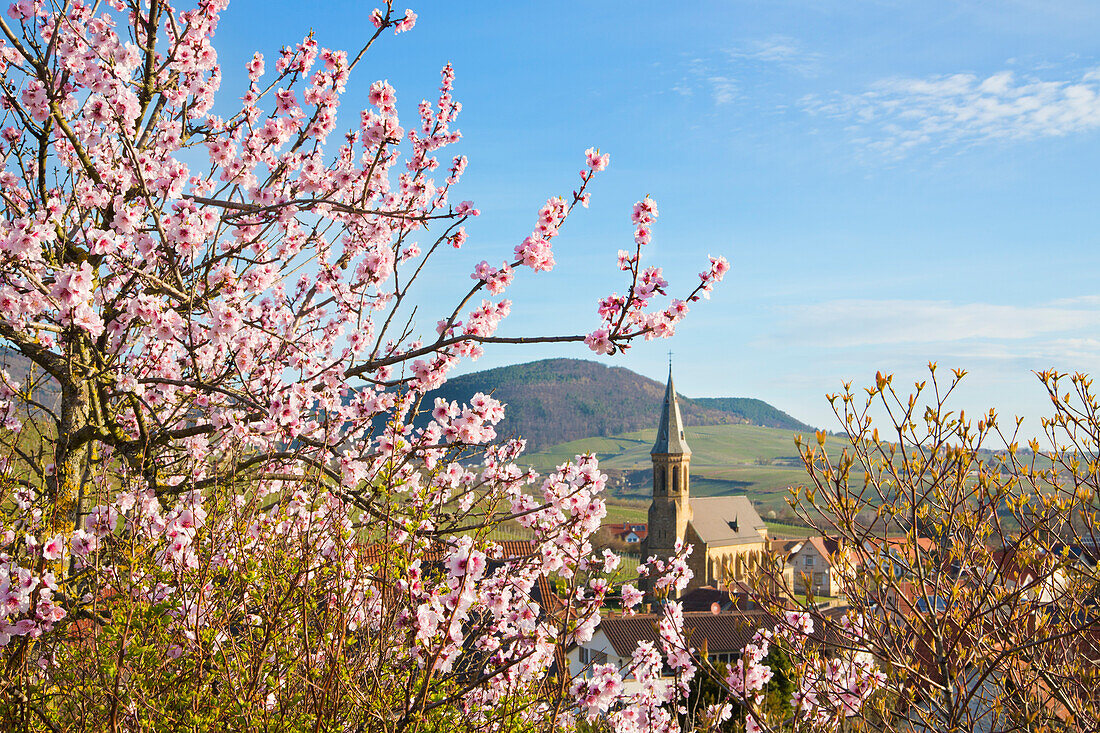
(670, 511)
(670, 431)
(671, 457)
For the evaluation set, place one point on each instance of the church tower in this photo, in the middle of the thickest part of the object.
(670, 511)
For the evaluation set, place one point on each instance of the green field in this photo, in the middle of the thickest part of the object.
(726, 459)
(789, 531)
(620, 511)
(712, 446)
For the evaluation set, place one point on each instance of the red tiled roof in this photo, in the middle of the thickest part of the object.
(736, 597)
(724, 633)
(924, 544)
(624, 528)
(827, 547)
(1019, 565)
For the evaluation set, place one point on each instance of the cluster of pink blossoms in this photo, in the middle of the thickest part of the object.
(830, 688)
(670, 574)
(625, 316)
(535, 251)
(746, 679)
(647, 705)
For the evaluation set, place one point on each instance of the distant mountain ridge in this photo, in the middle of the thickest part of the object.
(757, 412)
(558, 400)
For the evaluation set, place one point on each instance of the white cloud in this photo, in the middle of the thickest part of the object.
(723, 89)
(1085, 300)
(724, 74)
(778, 50)
(844, 323)
(895, 116)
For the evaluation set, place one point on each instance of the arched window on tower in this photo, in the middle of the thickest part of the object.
(675, 479)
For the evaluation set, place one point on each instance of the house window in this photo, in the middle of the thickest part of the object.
(591, 656)
(808, 561)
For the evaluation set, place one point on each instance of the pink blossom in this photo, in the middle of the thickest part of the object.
(54, 547)
(599, 341)
(596, 161)
(466, 208)
(83, 543)
(631, 596)
(382, 95)
(255, 67)
(406, 23)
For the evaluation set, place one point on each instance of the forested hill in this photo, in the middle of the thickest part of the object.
(557, 400)
(757, 412)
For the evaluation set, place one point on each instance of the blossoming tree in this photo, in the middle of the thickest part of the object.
(218, 507)
(967, 562)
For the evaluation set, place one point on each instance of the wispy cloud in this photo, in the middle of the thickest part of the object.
(844, 323)
(722, 75)
(897, 115)
(778, 50)
(723, 89)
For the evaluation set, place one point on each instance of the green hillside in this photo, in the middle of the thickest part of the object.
(745, 459)
(726, 459)
(558, 400)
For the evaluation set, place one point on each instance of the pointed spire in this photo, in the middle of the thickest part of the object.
(670, 431)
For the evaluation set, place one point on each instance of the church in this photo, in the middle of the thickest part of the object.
(728, 536)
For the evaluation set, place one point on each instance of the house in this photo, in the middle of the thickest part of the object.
(897, 556)
(954, 641)
(629, 532)
(817, 564)
(728, 536)
(987, 630)
(1039, 577)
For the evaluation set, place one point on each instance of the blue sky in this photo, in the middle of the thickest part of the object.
(893, 182)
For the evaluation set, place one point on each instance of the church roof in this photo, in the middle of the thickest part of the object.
(725, 520)
(670, 431)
